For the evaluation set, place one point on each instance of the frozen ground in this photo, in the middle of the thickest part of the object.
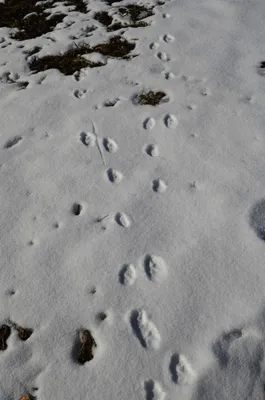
(143, 224)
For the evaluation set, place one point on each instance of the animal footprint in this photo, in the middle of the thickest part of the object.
(171, 121)
(206, 92)
(110, 145)
(80, 93)
(181, 370)
(168, 38)
(88, 139)
(145, 330)
(149, 123)
(159, 186)
(12, 142)
(155, 268)
(153, 390)
(154, 46)
(123, 220)
(162, 55)
(114, 176)
(128, 275)
(152, 150)
(221, 346)
(169, 75)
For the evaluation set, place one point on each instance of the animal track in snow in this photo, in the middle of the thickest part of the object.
(13, 141)
(77, 209)
(110, 145)
(181, 371)
(168, 38)
(149, 123)
(114, 176)
(152, 150)
(171, 121)
(88, 139)
(221, 346)
(153, 390)
(123, 220)
(145, 330)
(206, 92)
(155, 268)
(257, 219)
(127, 275)
(159, 186)
(162, 55)
(154, 46)
(80, 93)
(169, 75)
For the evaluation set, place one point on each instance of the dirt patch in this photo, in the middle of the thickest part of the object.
(136, 12)
(31, 19)
(103, 17)
(87, 348)
(150, 98)
(72, 60)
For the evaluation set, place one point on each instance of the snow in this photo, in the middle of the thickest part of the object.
(91, 186)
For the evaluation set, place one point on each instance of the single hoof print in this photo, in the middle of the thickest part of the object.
(205, 92)
(169, 75)
(110, 145)
(88, 139)
(163, 56)
(101, 316)
(154, 46)
(77, 209)
(152, 150)
(181, 371)
(168, 38)
(5, 332)
(145, 330)
(155, 268)
(123, 220)
(127, 275)
(257, 219)
(159, 186)
(80, 94)
(153, 390)
(114, 176)
(149, 123)
(87, 348)
(171, 121)
(13, 142)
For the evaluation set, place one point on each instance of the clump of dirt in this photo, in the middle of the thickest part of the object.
(87, 348)
(5, 332)
(23, 333)
(28, 397)
(72, 60)
(150, 98)
(31, 19)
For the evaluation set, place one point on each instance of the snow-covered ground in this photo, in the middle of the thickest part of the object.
(144, 225)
